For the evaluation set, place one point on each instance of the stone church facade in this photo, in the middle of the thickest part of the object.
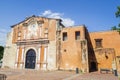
(32, 44)
(46, 44)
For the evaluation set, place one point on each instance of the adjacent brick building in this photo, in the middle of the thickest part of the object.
(46, 44)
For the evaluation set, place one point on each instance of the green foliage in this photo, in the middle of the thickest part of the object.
(119, 25)
(114, 28)
(1, 52)
(118, 12)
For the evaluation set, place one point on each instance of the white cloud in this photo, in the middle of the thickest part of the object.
(46, 13)
(66, 21)
(50, 14)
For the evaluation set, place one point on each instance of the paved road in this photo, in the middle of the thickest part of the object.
(53, 75)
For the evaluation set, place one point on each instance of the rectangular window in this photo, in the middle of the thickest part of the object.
(64, 36)
(98, 43)
(77, 35)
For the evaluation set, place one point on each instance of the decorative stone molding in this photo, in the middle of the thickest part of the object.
(40, 22)
(30, 42)
(25, 24)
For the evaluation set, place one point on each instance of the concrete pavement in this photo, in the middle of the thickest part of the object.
(15, 74)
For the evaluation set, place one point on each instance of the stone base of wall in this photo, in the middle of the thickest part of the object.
(9, 57)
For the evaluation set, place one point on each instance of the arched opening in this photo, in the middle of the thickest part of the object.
(30, 59)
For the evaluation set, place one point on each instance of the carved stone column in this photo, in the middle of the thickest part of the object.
(38, 58)
(16, 61)
(45, 58)
(22, 58)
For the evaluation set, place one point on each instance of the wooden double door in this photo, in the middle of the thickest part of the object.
(30, 59)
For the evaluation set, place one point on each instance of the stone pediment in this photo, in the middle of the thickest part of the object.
(38, 19)
(30, 20)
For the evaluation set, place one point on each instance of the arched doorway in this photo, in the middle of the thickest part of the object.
(30, 59)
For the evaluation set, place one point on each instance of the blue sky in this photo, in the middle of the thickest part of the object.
(97, 15)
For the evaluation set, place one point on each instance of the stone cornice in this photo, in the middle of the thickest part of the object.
(32, 41)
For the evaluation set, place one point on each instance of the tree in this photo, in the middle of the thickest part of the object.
(117, 14)
(114, 28)
(1, 52)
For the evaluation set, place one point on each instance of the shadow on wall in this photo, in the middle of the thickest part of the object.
(93, 64)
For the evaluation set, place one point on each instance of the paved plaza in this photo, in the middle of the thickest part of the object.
(54, 75)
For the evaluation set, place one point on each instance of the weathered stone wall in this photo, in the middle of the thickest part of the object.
(109, 50)
(9, 52)
(51, 58)
(45, 29)
(71, 50)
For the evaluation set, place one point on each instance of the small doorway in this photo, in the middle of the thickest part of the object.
(93, 66)
(30, 59)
